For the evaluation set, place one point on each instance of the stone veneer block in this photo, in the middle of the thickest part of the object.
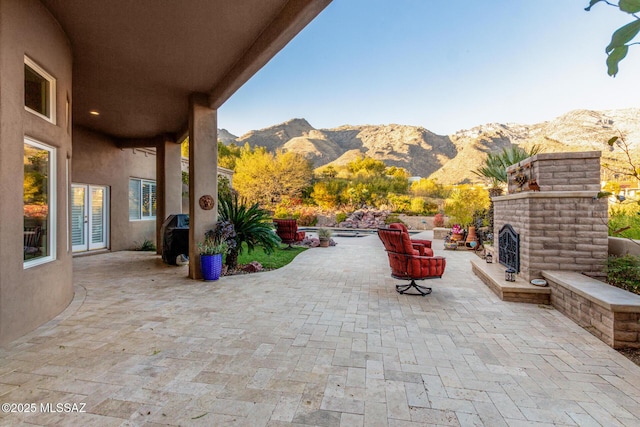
(439, 233)
(560, 172)
(559, 230)
(610, 313)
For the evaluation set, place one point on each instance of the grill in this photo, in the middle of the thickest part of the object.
(509, 247)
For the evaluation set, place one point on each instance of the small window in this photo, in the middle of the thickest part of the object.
(142, 199)
(39, 203)
(39, 91)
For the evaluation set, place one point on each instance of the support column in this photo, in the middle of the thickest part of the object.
(203, 177)
(169, 185)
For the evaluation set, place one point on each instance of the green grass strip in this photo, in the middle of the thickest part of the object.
(279, 258)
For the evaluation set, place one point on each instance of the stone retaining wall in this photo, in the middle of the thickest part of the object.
(618, 325)
(619, 246)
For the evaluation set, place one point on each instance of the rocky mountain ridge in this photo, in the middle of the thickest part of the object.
(449, 158)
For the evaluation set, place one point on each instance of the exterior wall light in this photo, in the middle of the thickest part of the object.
(510, 275)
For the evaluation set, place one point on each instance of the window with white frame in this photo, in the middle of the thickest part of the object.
(39, 203)
(142, 199)
(39, 91)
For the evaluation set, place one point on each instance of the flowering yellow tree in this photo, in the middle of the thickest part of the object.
(263, 177)
(464, 202)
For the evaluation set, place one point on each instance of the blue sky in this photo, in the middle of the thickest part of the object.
(444, 65)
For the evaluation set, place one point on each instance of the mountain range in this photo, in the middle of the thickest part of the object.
(448, 158)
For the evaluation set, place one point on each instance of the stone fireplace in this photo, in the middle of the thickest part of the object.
(552, 205)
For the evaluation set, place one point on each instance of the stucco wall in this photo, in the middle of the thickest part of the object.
(97, 160)
(619, 246)
(32, 296)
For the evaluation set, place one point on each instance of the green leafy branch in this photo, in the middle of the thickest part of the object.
(623, 218)
(631, 169)
(622, 38)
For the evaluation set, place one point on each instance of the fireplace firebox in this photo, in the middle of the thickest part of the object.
(509, 247)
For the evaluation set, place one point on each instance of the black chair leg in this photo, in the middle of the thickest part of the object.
(422, 290)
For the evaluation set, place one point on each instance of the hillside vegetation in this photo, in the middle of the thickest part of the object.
(448, 158)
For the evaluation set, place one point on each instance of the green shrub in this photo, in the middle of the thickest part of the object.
(307, 219)
(341, 216)
(147, 246)
(281, 213)
(421, 206)
(392, 218)
(252, 224)
(464, 202)
(624, 272)
(625, 217)
(418, 205)
(399, 202)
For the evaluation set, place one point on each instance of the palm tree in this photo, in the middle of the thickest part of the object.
(253, 226)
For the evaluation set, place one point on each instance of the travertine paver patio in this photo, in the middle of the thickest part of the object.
(324, 341)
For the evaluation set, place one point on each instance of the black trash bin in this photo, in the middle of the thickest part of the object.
(175, 237)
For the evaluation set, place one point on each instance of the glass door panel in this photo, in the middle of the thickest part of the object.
(78, 218)
(89, 217)
(97, 218)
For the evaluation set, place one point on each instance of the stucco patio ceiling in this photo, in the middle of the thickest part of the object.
(136, 62)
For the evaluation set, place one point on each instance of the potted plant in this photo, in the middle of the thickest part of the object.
(457, 233)
(216, 243)
(324, 235)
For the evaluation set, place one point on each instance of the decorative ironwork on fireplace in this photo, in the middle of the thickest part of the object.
(509, 247)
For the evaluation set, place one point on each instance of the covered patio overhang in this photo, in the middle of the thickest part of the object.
(149, 73)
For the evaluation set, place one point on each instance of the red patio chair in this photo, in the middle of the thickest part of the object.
(287, 230)
(406, 262)
(424, 246)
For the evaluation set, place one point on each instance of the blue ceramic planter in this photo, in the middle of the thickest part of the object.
(211, 266)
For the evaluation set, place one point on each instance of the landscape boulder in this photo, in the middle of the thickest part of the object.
(365, 218)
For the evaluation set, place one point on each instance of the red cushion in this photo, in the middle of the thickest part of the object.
(400, 226)
(405, 260)
(287, 230)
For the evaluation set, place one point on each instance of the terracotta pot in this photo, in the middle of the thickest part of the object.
(456, 237)
(472, 238)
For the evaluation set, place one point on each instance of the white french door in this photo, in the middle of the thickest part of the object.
(89, 217)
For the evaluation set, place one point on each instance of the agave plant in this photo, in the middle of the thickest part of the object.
(495, 169)
(496, 164)
(252, 225)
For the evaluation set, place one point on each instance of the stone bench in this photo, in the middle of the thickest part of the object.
(439, 233)
(519, 291)
(612, 314)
